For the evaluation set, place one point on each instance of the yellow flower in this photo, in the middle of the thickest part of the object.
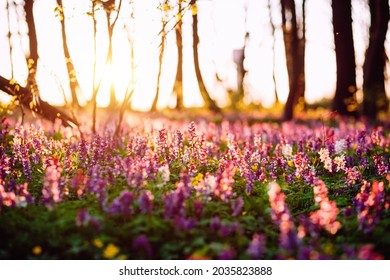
(37, 250)
(290, 163)
(98, 243)
(111, 251)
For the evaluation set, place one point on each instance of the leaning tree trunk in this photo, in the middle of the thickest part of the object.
(35, 103)
(344, 101)
(294, 41)
(178, 86)
(73, 82)
(374, 98)
(209, 102)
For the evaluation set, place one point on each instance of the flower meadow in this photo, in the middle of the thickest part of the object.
(202, 189)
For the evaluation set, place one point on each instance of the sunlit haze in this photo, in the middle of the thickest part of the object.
(222, 27)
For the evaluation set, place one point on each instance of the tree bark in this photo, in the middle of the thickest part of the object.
(209, 102)
(273, 29)
(374, 98)
(294, 41)
(344, 101)
(109, 6)
(73, 81)
(32, 58)
(178, 86)
(160, 58)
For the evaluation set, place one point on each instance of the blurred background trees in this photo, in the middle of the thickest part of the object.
(184, 47)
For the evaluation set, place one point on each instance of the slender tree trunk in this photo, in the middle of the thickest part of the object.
(294, 41)
(160, 58)
(73, 81)
(178, 86)
(374, 98)
(33, 57)
(344, 101)
(95, 88)
(9, 37)
(273, 29)
(110, 30)
(209, 102)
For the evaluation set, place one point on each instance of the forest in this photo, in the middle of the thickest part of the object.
(194, 129)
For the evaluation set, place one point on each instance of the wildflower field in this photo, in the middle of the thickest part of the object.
(201, 189)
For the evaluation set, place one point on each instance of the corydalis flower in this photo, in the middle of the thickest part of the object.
(84, 219)
(369, 204)
(301, 164)
(164, 172)
(340, 163)
(141, 243)
(281, 216)
(256, 248)
(123, 204)
(237, 206)
(380, 166)
(287, 151)
(19, 197)
(51, 191)
(339, 146)
(353, 175)
(327, 214)
(325, 159)
(146, 201)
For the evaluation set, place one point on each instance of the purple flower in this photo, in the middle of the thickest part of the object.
(141, 243)
(146, 201)
(123, 204)
(84, 219)
(174, 203)
(237, 206)
(198, 208)
(183, 224)
(227, 254)
(215, 224)
(256, 248)
(369, 204)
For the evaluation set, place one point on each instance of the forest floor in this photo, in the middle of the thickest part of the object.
(195, 185)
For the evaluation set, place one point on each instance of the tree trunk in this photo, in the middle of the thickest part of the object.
(35, 103)
(32, 58)
(294, 41)
(178, 86)
(209, 102)
(110, 30)
(374, 98)
(160, 58)
(273, 29)
(73, 82)
(9, 36)
(344, 101)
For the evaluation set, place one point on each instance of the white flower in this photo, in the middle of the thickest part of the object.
(340, 163)
(325, 159)
(287, 151)
(339, 146)
(165, 173)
